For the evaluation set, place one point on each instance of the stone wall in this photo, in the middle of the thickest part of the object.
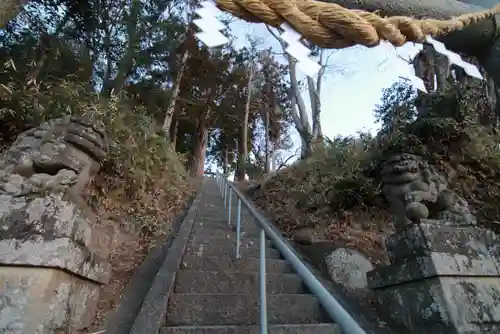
(53, 259)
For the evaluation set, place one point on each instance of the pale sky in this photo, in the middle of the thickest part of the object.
(348, 95)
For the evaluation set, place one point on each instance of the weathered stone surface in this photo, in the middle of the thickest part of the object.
(52, 257)
(442, 279)
(415, 191)
(426, 238)
(348, 267)
(68, 302)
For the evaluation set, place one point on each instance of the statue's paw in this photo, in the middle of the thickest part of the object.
(446, 199)
(419, 185)
(416, 211)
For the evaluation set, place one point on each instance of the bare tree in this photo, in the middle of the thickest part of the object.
(243, 156)
(310, 135)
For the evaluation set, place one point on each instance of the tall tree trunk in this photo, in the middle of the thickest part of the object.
(45, 47)
(315, 97)
(201, 137)
(266, 167)
(239, 174)
(298, 107)
(243, 154)
(173, 132)
(225, 161)
(169, 113)
(200, 146)
(299, 116)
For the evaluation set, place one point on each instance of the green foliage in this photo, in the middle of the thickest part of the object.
(396, 109)
(25, 99)
(343, 160)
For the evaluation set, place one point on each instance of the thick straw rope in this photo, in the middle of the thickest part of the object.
(329, 25)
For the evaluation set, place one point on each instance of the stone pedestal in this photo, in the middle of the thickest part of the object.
(442, 279)
(52, 265)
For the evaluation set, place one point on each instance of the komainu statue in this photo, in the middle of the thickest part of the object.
(52, 255)
(415, 191)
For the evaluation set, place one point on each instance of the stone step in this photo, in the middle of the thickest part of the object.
(200, 227)
(191, 281)
(228, 249)
(221, 221)
(218, 207)
(221, 232)
(230, 309)
(244, 233)
(246, 241)
(273, 329)
(217, 263)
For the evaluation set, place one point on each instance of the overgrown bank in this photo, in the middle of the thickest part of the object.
(142, 186)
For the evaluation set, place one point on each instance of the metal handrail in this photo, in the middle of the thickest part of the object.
(329, 303)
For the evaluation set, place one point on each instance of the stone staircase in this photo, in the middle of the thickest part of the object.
(215, 293)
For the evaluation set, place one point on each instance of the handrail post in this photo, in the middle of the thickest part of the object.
(262, 283)
(229, 208)
(238, 228)
(225, 193)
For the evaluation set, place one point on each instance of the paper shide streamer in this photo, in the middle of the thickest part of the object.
(211, 36)
(210, 27)
(453, 58)
(299, 51)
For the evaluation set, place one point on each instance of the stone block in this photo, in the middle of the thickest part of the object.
(431, 236)
(442, 279)
(44, 300)
(51, 232)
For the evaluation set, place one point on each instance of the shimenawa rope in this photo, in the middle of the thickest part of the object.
(332, 26)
